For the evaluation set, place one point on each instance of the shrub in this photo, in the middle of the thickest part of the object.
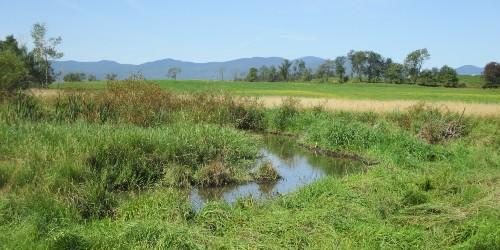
(214, 174)
(75, 77)
(266, 173)
(437, 127)
(13, 72)
(285, 113)
(248, 116)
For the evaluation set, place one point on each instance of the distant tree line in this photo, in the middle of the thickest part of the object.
(79, 77)
(366, 66)
(21, 68)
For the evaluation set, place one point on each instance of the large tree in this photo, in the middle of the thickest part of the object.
(252, 75)
(325, 70)
(358, 61)
(284, 69)
(374, 68)
(491, 74)
(45, 49)
(395, 73)
(448, 76)
(340, 67)
(413, 63)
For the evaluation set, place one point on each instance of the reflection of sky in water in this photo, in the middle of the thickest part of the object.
(297, 167)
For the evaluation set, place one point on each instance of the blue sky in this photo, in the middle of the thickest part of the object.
(456, 32)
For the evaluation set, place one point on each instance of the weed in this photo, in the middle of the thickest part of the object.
(214, 174)
(266, 173)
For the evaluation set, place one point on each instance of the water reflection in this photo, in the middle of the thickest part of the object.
(297, 167)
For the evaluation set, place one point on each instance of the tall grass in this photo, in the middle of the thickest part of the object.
(109, 170)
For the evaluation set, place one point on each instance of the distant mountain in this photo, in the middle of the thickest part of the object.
(469, 70)
(190, 70)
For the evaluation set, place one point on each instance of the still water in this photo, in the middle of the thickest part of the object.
(297, 167)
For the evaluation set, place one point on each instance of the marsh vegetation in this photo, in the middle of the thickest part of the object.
(116, 168)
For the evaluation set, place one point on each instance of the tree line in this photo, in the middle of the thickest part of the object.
(366, 66)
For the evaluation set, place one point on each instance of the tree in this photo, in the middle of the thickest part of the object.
(111, 77)
(13, 72)
(413, 63)
(91, 78)
(284, 69)
(395, 73)
(374, 68)
(252, 75)
(307, 75)
(448, 76)
(491, 75)
(358, 61)
(173, 72)
(429, 77)
(273, 74)
(45, 49)
(74, 77)
(35, 70)
(264, 74)
(136, 77)
(325, 70)
(340, 67)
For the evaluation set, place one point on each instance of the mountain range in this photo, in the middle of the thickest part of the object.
(190, 70)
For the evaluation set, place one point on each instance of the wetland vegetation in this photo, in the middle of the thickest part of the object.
(117, 168)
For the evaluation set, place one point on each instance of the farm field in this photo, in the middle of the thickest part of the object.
(357, 91)
(120, 167)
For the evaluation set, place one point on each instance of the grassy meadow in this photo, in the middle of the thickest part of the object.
(112, 169)
(357, 91)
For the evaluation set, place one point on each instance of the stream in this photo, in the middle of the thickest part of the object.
(296, 165)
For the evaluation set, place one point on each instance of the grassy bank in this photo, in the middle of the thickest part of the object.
(103, 170)
(360, 91)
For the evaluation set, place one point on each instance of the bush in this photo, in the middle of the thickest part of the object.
(266, 173)
(285, 113)
(248, 116)
(75, 77)
(13, 72)
(436, 126)
(214, 174)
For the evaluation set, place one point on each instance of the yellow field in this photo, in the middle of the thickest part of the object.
(474, 109)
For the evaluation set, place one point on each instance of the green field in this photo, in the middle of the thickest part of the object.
(365, 91)
(471, 81)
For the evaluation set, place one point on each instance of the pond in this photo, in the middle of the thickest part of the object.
(296, 165)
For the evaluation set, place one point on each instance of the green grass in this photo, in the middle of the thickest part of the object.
(366, 91)
(471, 81)
(83, 183)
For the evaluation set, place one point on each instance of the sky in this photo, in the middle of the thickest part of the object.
(456, 32)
